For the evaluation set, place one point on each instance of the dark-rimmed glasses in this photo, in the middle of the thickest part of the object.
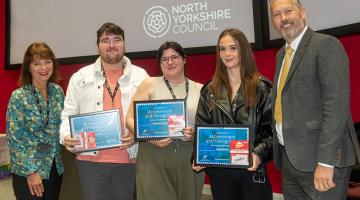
(173, 58)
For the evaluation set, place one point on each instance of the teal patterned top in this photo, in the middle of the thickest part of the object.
(33, 137)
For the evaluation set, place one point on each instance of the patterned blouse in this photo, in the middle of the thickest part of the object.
(32, 128)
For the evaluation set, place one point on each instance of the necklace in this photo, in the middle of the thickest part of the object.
(172, 91)
(37, 99)
(107, 85)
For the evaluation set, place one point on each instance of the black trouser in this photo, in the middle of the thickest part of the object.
(238, 184)
(51, 186)
(107, 181)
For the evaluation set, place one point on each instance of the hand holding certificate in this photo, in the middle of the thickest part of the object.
(220, 146)
(97, 130)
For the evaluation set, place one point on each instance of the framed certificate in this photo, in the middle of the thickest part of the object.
(160, 119)
(223, 146)
(96, 130)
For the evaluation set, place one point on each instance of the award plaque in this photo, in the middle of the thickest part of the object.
(223, 146)
(96, 130)
(159, 119)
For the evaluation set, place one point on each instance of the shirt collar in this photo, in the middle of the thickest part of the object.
(127, 66)
(97, 66)
(126, 62)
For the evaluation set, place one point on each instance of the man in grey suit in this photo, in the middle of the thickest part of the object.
(316, 144)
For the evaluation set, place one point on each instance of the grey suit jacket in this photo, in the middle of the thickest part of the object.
(317, 124)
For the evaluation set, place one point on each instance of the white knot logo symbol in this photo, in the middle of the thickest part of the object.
(156, 21)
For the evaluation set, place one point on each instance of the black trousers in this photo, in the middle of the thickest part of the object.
(238, 184)
(51, 186)
(107, 181)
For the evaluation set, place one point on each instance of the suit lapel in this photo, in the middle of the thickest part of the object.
(299, 53)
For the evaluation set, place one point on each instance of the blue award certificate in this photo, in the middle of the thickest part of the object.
(219, 146)
(160, 119)
(97, 130)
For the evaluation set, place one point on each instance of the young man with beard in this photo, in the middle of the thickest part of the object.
(109, 83)
(316, 143)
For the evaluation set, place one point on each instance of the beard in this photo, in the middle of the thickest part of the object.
(111, 56)
(112, 59)
(289, 30)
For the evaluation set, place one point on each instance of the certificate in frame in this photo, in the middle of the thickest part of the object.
(96, 130)
(223, 146)
(157, 119)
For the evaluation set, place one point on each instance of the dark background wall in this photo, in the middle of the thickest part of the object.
(200, 68)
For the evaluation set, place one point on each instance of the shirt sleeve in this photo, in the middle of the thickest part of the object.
(21, 148)
(71, 107)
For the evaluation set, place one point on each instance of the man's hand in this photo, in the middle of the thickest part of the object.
(35, 184)
(70, 142)
(161, 143)
(323, 178)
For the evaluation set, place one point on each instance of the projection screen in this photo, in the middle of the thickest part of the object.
(69, 27)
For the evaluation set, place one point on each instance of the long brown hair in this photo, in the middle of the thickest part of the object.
(248, 71)
(38, 50)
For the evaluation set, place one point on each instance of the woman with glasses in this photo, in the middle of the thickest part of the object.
(238, 95)
(32, 126)
(163, 168)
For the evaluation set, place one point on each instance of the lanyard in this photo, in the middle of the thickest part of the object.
(172, 91)
(46, 118)
(107, 85)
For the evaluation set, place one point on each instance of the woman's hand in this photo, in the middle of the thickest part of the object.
(188, 133)
(35, 184)
(127, 140)
(70, 142)
(256, 162)
(197, 168)
(161, 143)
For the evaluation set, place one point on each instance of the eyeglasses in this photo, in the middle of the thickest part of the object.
(165, 60)
(117, 41)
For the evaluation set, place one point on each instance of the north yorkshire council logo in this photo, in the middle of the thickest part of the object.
(156, 21)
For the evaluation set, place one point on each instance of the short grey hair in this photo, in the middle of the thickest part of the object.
(299, 4)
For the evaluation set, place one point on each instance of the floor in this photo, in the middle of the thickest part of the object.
(7, 193)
